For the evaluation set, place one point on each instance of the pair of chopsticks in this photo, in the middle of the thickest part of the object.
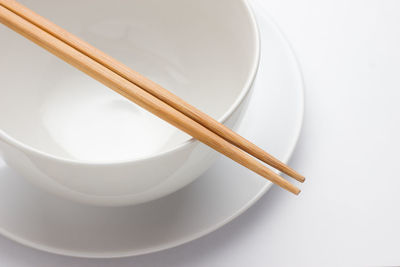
(143, 92)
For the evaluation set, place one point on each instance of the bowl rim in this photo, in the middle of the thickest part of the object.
(244, 92)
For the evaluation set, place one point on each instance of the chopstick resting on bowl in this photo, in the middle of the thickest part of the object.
(143, 92)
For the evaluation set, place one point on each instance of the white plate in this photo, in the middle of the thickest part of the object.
(273, 121)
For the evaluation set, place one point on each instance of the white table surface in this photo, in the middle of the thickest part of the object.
(349, 210)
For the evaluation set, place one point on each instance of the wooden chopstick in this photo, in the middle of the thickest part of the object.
(151, 87)
(136, 94)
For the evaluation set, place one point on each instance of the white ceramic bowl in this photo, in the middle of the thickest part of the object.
(78, 139)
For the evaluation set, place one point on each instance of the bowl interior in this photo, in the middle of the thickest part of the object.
(203, 51)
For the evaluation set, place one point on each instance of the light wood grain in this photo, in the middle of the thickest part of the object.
(151, 87)
(136, 94)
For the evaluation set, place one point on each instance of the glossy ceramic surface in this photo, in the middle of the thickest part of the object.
(226, 190)
(78, 139)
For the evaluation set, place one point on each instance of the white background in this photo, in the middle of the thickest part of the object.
(349, 210)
